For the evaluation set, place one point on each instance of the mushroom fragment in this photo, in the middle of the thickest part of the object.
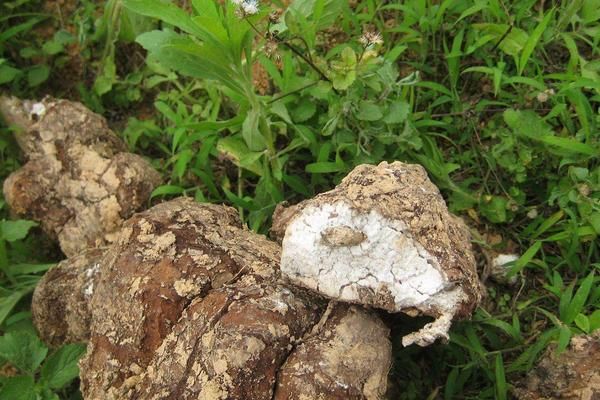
(383, 238)
(79, 181)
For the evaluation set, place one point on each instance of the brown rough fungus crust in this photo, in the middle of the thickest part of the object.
(229, 345)
(190, 305)
(78, 182)
(164, 258)
(571, 375)
(60, 304)
(349, 359)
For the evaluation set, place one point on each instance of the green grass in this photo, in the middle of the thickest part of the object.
(498, 100)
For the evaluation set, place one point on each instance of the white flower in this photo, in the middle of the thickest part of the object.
(237, 2)
(369, 38)
(250, 7)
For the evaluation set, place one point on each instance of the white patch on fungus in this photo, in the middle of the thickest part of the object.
(368, 259)
(38, 109)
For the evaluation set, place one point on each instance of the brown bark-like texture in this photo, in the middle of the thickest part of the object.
(347, 359)
(60, 306)
(570, 375)
(189, 305)
(78, 182)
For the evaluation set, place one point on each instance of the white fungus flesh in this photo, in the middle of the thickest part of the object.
(365, 242)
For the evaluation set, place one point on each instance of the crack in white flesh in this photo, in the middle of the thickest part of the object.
(349, 256)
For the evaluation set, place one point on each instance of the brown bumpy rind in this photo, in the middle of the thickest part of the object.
(228, 345)
(164, 258)
(60, 304)
(348, 359)
(78, 182)
(570, 375)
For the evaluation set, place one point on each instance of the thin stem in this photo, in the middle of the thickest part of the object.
(292, 92)
(294, 50)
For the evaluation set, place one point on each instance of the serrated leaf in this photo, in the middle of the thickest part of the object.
(304, 110)
(397, 112)
(23, 350)
(369, 111)
(61, 367)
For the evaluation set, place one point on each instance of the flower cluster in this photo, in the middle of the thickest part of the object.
(247, 7)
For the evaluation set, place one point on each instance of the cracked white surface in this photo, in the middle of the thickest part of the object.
(368, 259)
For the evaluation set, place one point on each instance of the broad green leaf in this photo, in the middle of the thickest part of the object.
(23, 350)
(594, 320)
(369, 111)
(251, 132)
(18, 388)
(530, 125)
(8, 73)
(512, 44)
(188, 57)
(107, 77)
(564, 337)
(582, 322)
(171, 14)
(494, 208)
(397, 112)
(38, 74)
(235, 149)
(326, 14)
(15, 230)
(61, 367)
(304, 111)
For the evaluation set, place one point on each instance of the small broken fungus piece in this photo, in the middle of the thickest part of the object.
(60, 304)
(79, 182)
(500, 267)
(570, 375)
(349, 358)
(163, 259)
(383, 238)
